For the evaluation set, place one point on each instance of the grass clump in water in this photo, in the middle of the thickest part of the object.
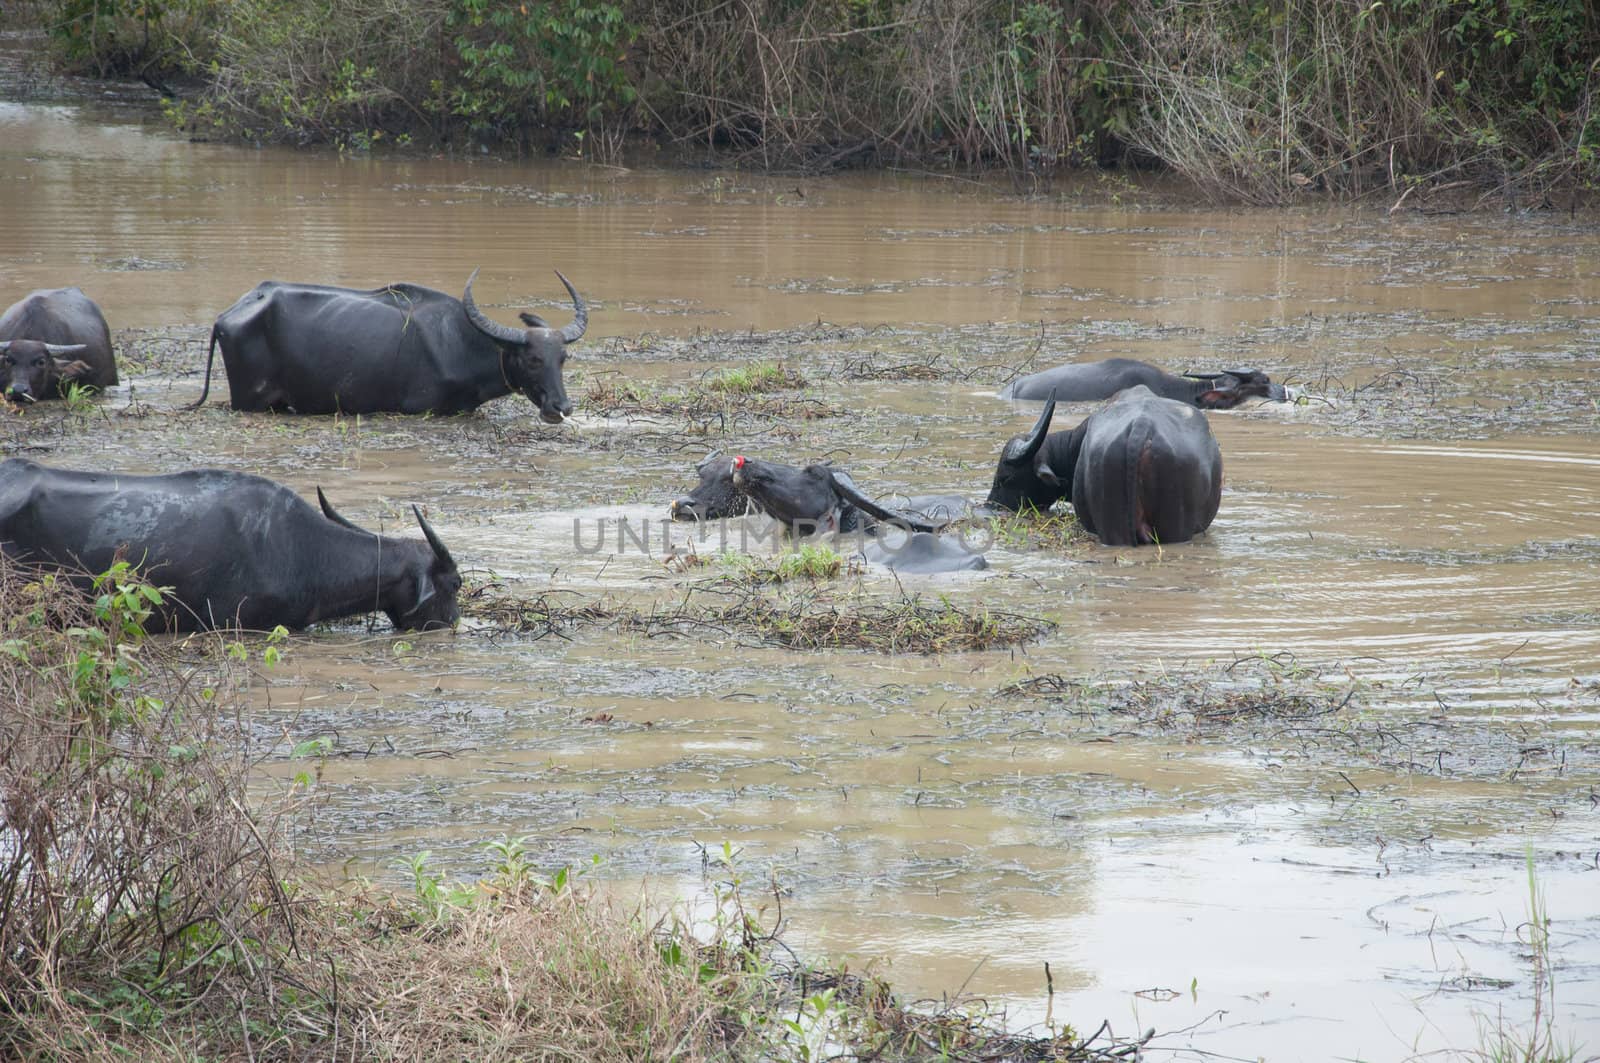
(745, 606)
(754, 390)
(814, 621)
(1036, 531)
(812, 561)
(754, 379)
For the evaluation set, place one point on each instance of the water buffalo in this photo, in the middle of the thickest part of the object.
(1091, 381)
(923, 553)
(824, 498)
(1141, 469)
(400, 349)
(236, 550)
(714, 496)
(817, 497)
(50, 339)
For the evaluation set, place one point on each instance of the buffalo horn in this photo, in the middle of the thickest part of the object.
(580, 313)
(1022, 450)
(433, 538)
(333, 514)
(60, 349)
(848, 491)
(493, 329)
(707, 460)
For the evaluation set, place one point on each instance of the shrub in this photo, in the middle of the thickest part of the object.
(132, 871)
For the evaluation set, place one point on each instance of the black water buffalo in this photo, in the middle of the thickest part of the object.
(1091, 381)
(50, 339)
(823, 498)
(1141, 469)
(400, 349)
(817, 497)
(923, 553)
(236, 550)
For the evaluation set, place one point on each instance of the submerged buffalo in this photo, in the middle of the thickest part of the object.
(1092, 381)
(399, 349)
(816, 497)
(1141, 469)
(51, 339)
(235, 550)
(824, 498)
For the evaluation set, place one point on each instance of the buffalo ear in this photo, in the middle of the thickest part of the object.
(73, 370)
(425, 590)
(533, 320)
(1047, 474)
(1213, 398)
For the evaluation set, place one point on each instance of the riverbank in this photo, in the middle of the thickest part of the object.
(1267, 105)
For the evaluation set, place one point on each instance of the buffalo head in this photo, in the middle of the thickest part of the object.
(531, 358)
(30, 370)
(715, 496)
(432, 603)
(425, 597)
(1224, 391)
(1024, 477)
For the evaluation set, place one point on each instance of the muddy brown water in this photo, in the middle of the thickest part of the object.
(1426, 534)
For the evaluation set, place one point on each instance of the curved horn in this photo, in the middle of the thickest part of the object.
(1022, 450)
(60, 349)
(848, 491)
(334, 515)
(707, 460)
(580, 313)
(493, 329)
(433, 538)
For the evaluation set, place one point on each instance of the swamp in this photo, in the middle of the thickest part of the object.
(1274, 793)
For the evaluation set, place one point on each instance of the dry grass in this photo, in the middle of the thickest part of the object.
(535, 973)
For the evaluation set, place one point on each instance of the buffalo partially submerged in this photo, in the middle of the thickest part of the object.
(1141, 469)
(51, 339)
(1092, 381)
(313, 349)
(236, 550)
(823, 498)
(814, 498)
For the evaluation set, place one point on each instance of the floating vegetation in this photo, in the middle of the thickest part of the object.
(814, 621)
(1051, 530)
(760, 378)
(547, 613)
(740, 610)
(875, 365)
(810, 561)
(756, 390)
(1173, 704)
(1330, 717)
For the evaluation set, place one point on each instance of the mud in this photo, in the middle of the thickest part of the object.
(1280, 799)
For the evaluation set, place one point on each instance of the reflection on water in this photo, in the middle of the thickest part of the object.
(908, 811)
